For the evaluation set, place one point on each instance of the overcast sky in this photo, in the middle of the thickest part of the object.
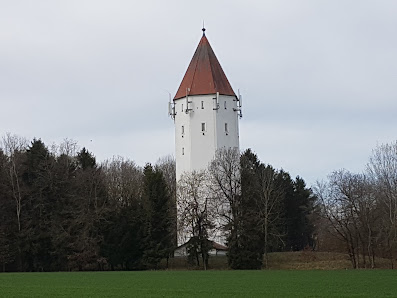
(318, 78)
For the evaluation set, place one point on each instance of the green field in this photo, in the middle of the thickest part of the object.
(274, 283)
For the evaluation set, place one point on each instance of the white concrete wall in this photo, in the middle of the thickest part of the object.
(199, 147)
(182, 252)
(195, 149)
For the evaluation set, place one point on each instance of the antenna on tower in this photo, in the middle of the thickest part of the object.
(203, 28)
(171, 107)
(239, 105)
(187, 101)
(216, 102)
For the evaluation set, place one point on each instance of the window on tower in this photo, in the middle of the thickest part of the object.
(202, 104)
(182, 107)
(225, 104)
(203, 127)
(183, 129)
(226, 128)
(183, 151)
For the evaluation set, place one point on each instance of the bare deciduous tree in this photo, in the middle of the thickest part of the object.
(337, 212)
(350, 207)
(382, 169)
(13, 147)
(225, 183)
(68, 147)
(196, 213)
(269, 202)
(167, 166)
(123, 180)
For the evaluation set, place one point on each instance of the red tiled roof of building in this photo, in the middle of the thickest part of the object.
(218, 246)
(204, 74)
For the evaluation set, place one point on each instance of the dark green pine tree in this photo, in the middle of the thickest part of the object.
(252, 237)
(86, 160)
(159, 239)
(298, 207)
(91, 208)
(124, 236)
(246, 241)
(64, 211)
(38, 206)
(280, 227)
(8, 224)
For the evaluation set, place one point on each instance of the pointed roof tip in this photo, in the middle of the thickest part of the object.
(204, 74)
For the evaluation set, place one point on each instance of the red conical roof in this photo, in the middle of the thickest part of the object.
(204, 74)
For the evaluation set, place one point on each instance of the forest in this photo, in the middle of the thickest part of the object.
(61, 210)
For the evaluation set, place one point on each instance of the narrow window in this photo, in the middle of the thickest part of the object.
(225, 104)
(183, 129)
(202, 104)
(226, 127)
(202, 127)
(183, 151)
(182, 107)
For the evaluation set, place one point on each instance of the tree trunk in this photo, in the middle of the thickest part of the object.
(204, 261)
(197, 258)
(371, 254)
(266, 256)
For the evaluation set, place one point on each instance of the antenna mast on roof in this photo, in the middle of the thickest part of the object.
(187, 101)
(171, 107)
(239, 105)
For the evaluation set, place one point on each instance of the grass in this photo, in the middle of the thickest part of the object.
(309, 260)
(298, 260)
(228, 283)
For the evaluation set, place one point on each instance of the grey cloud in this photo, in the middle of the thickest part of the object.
(318, 77)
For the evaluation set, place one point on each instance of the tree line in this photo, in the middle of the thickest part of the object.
(258, 208)
(62, 210)
(357, 212)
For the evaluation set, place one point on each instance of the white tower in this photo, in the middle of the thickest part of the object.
(206, 112)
